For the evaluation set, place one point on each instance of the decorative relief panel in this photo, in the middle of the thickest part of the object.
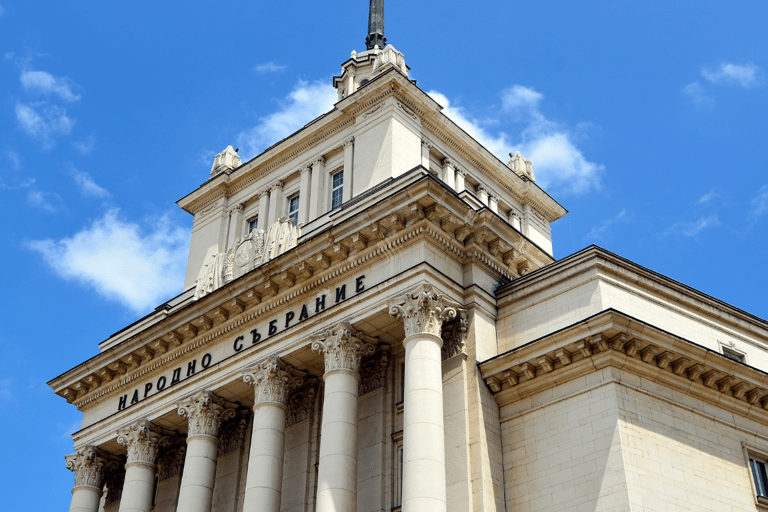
(89, 465)
(142, 441)
(424, 311)
(170, 463)
(114, 479)
(373, 373)
(343, 347)
(233, 433)
(301, 404)
(205, 412)
(455, 335)
(272, 380)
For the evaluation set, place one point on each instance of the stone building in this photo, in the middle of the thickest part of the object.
(373, 320)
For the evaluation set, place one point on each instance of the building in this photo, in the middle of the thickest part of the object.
(373, 320)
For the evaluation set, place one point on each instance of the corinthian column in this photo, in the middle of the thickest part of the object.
(143, 446)
(89, 470)
(423, 315)
(205, 413)
(343, 348)
(272, 380)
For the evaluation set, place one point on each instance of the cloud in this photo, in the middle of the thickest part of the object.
(71, 429)
(87, 186)
(138, 268)
(43, 121)
(744, 75)
(45, 83)
(693, 228)
(707, 197)
(598, 231)
(759, 203)
(696, 92)
(2, 11)
(13, 157)
(268, 67)
(85, 147)
(305, 102)
(558, 164)
(50, 202)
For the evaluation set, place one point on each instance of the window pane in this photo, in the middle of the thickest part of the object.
(336, 199)
(760, 477)
(253, 224)
(293, 209)
(337, 189)
(338, 179)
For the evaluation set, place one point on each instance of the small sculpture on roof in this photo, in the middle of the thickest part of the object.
(521, 166)
(227, 159)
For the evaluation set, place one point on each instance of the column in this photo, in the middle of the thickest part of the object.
(204, 412)
(235, 224)
(305, 194)
(318, 198)
(276, 206)
(272, 381)
(349, 157)
(449, 172)
(514, 219)
(493, 203)
(526, 219)
(89, 468)
(425, 145)
(143, 444)
(264, 209)
(460, 174)
(343, 348)
(423, 314)
(484, 193)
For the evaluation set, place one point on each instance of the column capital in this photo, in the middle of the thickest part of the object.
(424, 311)
(460, 170)
(343, 347)
(89, 464)
(205, 412)
(318, 161)
(263, 191)
(142, 441)
(349, 141)
(426, 144)
(239, 208)
(449, 162)
(276, 185)
(272, 380)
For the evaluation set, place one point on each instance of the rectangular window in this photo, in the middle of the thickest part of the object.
(397, 471)
(253, 224)
(733, 354)
(337, 189)
(759, 476)
(293, 209)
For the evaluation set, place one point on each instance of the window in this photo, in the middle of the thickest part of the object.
(337, 189)
(760, 477)
(397, 471)
(293, 209)
(253, 224)
(733, 354)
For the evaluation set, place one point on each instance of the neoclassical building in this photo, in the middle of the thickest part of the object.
(373, 321)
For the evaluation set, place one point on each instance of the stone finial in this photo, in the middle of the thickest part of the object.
(205, 412)
(142, 441)
(272, 380)
(89, 465)
(425, 310)
(521, 166)
(227, 159)
(343, 347)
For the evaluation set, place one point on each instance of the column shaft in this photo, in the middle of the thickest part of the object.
(264, 482)
(425, 153)
(264, 210)
(89, 465)
(349, 158)
(305, 195)
(460, 181)
(318, 198)
(276, 206)
(449, 173)
(85, 499)
(138, 488)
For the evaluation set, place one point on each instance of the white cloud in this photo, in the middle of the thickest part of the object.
(50, 202)
(559, 166)
(597, 232)
(45, 83)
(744, 75)
(13, 157)
(87, 186)
(43, 121)
(707, 197)
(697, 94)
(759, 203)
(695, 227)
(268, 67)
(71, 429)
(138, 268)
(2, 10)
(86, 146)
(305, 102)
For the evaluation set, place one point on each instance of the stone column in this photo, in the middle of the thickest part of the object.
(276, 206)
(305, 194)
(205, 412)
(89, 468)
(319, 196)
(349, 157)
(514, 219)
(460, 174)
(343, 348)
(449, 172)
(143, 444)
(264, 209)
(424, 484)
(272, 380)
(425, 146)
(483, 194)
(235, 224)
(493, 203)
(526, 219)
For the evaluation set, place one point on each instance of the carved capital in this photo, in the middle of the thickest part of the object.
(171, 461)
(318, 161)
(461, 171)
(343, 347)
(205, 412)
(302, 403)
(450, 162)
(89, 465)
(272, 380)
(142, 441)
(373, 374)
(426, 144)
(278, 185)
(233, 433)
(238, 208)
(348, 142)
(455, 335)
(424, 311)
(263, 192)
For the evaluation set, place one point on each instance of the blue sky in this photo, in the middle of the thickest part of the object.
(646, 120)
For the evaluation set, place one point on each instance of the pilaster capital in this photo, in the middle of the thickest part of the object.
(272, 380)
(482, 188)
(142, 441)
(424, 311)
(349, 142)
(89, 464)
(461, 171)
(306, 167)
(238, 208)
(318, 161)
(263, 192)
(449, 162)
(343, 347)
(205, 412)
(426, 144)
(278, 185)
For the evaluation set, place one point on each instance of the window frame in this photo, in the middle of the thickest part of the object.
(289, 201)
(250, 221)
(759, 455)
(333, 189)
(733, 354)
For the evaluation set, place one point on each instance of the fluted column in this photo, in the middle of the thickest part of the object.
(343, 348)
(423, 315)
(205, 412)
(143, 445)
(89, 468)
(272, 380)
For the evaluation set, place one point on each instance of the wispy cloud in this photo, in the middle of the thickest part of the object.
(71, 429)
(43, 121)
(13, 158)
(709, 196)
(696, 92)
(306, 101)
(269, 67)
(50, 202)
(87, 186)
(134, 266)
(85, 147)
(45, 83)
(693, 228)
(597, 232)
(558, 164)
(2, 11)
(744, 75)
(759, 203)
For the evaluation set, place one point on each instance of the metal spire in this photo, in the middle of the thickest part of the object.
(376, 25)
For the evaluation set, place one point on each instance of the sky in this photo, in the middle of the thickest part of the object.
(646, 120)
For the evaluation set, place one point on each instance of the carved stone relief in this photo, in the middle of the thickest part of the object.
(142, 441)
(455, 335)
(301, 404)
(373, 372)
(233, 433)
(424, 311)
(272, 380)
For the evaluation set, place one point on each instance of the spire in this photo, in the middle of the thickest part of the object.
(376, 25)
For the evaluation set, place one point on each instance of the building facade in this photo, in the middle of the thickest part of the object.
(373, 320)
